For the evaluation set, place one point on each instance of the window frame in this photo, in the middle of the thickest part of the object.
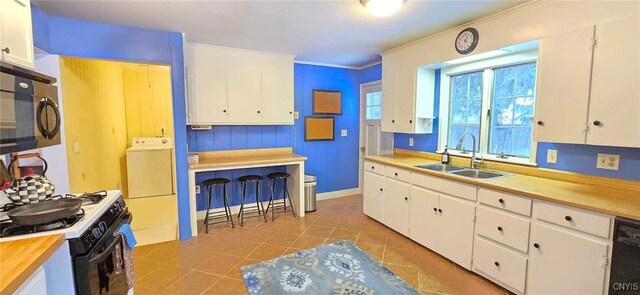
(366, 106)
(487, 66)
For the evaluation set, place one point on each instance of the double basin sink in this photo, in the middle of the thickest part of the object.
(464, 171)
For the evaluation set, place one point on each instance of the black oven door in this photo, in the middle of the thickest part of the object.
(96, 270)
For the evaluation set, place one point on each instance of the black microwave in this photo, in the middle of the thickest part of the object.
(29, 112)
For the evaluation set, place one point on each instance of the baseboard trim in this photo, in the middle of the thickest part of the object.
(337, 194)
(319, 197)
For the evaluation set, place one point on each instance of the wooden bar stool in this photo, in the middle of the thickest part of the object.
(273, 178)
(244, 180)
(211, 184)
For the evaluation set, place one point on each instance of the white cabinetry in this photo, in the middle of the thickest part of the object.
(455, 230)
(588, 85)
(563, 262)
(423, 217)
(373, 193)
(396, 205)
(36, 284)
(228, 86)
(16, 35)
(407, 96)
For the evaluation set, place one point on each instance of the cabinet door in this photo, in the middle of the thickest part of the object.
(562, 96)
(244, 96)
(396, 205)
(16, 36)
(615, 88)
(406, 99)
(455, 230)
(277, 96)
(389, 81)
(423, 217)
(373, 203)
(206, 85)
(565, 263)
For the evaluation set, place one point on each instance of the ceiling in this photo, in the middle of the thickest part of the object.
(338, 32)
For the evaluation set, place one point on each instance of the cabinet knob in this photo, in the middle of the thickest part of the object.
(568, 218)
(540, 123)
(406, 199)
(499, 228)
(440, 210)
(393, 121)
(501, 201)
(435, 210)
(373, 167)
(536, 245)
(290, 113)
(224, 111)
(410, 121)
(6, 50)
(396, 174)
(596, 123)
(497, 263)
(258, 112)
(380, 189)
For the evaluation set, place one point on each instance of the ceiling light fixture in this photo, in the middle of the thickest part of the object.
(382, 8)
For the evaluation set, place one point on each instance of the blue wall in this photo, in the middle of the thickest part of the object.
(571, 157)
(72, 37)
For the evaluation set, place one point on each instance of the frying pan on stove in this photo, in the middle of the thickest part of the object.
(45, 212)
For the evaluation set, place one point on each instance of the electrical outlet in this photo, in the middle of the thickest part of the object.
(343, 132)
(607, 161)
(552, 156)
(296, 115)
(197, 189)
(410, 141)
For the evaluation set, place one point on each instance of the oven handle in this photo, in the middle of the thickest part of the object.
(117, 239)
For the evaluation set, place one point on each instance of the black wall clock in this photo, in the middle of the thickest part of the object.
(467, 41)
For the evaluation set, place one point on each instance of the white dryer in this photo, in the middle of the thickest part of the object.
(150, 167)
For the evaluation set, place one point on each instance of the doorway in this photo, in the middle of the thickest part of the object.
(372, 140)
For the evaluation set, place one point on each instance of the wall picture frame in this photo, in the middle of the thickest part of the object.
(327, 102)
(319, 128)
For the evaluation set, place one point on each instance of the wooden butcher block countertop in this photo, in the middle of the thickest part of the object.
(19, 259)
(604, 195)
(234, 158)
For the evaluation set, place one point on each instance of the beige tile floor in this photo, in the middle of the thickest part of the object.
(210, 263)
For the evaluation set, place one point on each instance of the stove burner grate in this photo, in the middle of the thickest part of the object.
(9, 229)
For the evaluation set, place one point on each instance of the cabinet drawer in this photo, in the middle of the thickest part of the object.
(503, 228)
(397, 174)
(501, 264)
(450, 187)
(374, 167)
(578, 219)
(509, 202)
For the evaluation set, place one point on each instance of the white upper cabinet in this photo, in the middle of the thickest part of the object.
(588, 90)
(407, 96)
(615, 86)
(229, 86)
(16, 35)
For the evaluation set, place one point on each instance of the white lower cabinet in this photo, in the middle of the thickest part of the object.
(423, 216)
(36, 284)
(455, 230)
(500, 263)
(563, 262)
(373, 196)
(396, 205)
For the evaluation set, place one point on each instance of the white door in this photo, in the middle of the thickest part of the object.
(15, 32)
(396, 205)
(564, 71)
(372, 140)
(244, 96)
(423, 217)
(615, 86)
(565, 263)
(373, 203)
(455, 230)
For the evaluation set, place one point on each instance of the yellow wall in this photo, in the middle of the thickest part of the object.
(104, 106)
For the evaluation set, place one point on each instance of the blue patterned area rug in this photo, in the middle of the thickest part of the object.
(338, 268)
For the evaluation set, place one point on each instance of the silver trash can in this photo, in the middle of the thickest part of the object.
(310, 184)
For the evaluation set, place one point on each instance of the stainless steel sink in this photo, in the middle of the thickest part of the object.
(478, 174)
(441, 167)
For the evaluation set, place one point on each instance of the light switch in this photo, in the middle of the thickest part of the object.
(76, 146)
(607, 161)
(343, 132)
(197, 189)
(296, 115)
(410, 141)
(552, 156)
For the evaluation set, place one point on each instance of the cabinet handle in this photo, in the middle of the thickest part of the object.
(258, 112)
(224, 111)
(536, 245)
(499, 228)
(435, 210)
(373, 167)
(290, 113)
(440, 210)
(6, 50)
(406, 199)
(410, 121)
(597, 123)
(380, 189)
(393, 121)
(497, 264)
(396, 174)
(540, 123)
(501, 201)
(568, 218)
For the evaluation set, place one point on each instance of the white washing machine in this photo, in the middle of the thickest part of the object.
(150, 167)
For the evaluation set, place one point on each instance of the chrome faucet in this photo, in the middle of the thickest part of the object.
(474, 162)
